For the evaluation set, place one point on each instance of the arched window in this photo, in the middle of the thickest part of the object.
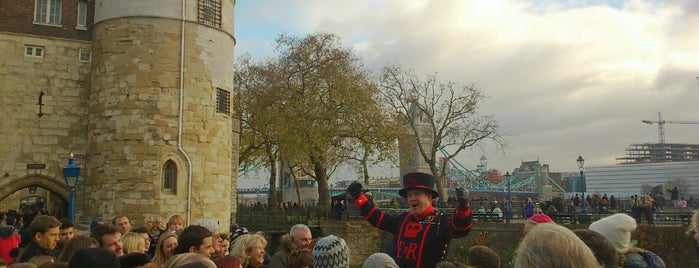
(170, 176)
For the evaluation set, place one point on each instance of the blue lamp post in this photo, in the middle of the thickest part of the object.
(581, 166)
(509, 197)
(70, 174)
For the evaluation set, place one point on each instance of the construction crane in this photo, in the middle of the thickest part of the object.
(661, 125)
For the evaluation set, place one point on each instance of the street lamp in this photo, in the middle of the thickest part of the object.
(509, 197)
(70, 174)
(32, 189)
(581, 166)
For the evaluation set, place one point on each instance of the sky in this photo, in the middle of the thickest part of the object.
(562, 78)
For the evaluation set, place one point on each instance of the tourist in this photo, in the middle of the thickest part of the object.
(44, 232)
(77, 243)
(617, 229)
(165, 248)
(331, 252)
(481, 256)
(249, 249)
(553, 246)
(66, 232)
(299, 237)
(600, 246)
(108, 237)
(133, 243)
(195, 239)
(122, 223)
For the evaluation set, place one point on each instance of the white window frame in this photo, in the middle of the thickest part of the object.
(48, 12)
(34, 51)
(81, 24)
(85, 55)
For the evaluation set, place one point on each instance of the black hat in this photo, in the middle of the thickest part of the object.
(94, 257)
(134, 259)
(418, 180)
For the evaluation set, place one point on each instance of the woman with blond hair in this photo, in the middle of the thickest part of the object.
(249, 249)
(554, 246)
(165, 248)
(133, 242)
(155, 227)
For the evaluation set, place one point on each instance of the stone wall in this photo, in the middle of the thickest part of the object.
(49, 137)
(670, 243)
(135, 120)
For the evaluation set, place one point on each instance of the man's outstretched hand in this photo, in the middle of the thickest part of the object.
(354, 190)
(462, 198)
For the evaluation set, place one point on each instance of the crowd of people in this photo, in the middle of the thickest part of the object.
(420, 238)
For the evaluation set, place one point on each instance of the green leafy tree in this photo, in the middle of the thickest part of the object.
(257, 105)
(316, 107)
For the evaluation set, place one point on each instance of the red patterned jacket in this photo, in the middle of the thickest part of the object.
(420, 242)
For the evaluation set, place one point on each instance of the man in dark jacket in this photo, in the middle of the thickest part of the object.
(299, 237)
(44, 231)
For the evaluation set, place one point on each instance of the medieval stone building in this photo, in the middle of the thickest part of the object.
(139, 92)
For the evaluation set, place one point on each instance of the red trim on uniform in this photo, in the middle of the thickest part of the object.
(400, 233)
(378, 223)
(360, 200)
(368, 215)
(467, 227)
(422, 245)
(463, 213)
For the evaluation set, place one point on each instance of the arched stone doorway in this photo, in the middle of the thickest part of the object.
(52, 193)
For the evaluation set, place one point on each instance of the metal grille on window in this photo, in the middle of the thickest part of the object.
(223, 101)
(210, 12)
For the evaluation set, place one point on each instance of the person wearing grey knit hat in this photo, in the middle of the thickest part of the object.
(331, 252)
(380, 260)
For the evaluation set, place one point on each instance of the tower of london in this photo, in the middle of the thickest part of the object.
(139, 92)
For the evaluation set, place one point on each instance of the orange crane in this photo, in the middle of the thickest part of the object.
(661, 125)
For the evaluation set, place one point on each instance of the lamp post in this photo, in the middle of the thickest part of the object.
(70, 174)
(581, 166)
(509, 198)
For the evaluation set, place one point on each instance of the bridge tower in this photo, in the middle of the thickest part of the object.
(160, 132)
(411, 159)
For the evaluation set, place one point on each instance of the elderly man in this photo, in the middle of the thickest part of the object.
(299, 237)
(423, 234)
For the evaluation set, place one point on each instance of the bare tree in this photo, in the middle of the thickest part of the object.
(439, 115)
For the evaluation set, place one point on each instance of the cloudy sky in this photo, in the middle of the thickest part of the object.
(562, 78)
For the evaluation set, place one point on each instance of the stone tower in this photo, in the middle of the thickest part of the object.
(411, 159)
(160, 131)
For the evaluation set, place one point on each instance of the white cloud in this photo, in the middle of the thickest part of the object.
(563, 78)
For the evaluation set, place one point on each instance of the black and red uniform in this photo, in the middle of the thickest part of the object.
(420, 242)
